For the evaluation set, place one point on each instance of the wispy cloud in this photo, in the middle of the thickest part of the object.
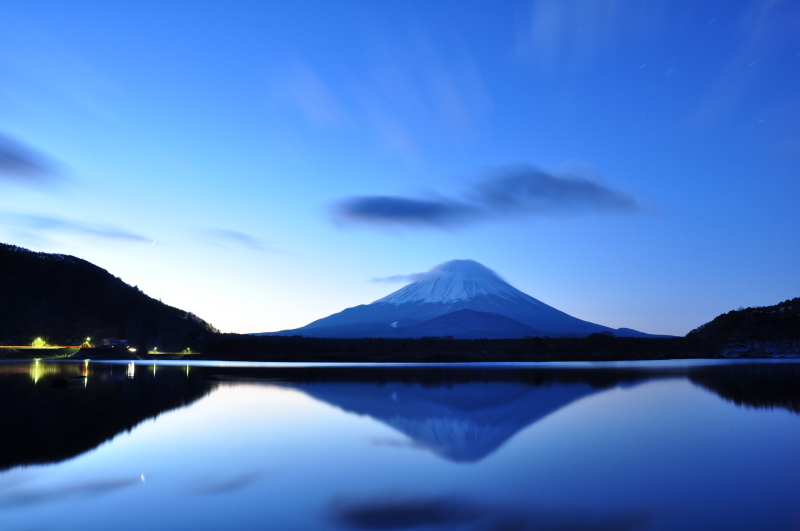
(46, 224)
(512, 193)
(569, 35)
(55, 70)
(411, 93)
(528, 190)
(438, 271)
(225, 236)
(304, 89)
(421, 94)
(413, 277)
(22, 164)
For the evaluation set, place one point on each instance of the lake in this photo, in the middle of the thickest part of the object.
(581, 446)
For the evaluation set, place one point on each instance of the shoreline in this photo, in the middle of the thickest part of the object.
(278, 349)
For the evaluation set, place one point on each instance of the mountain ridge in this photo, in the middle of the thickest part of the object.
(450, 287)
(64, 299)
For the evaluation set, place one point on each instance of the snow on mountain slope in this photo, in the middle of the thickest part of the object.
(450, 287)
(456, 280)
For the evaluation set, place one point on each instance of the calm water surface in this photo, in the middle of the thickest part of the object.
(523, 447)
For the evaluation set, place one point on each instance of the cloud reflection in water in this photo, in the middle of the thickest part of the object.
(455, 512)
(18, 497)
(227, 485)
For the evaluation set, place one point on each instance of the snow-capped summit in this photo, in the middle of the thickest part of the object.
(456, 280)
(435, 302)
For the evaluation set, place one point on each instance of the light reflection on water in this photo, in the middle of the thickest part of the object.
(167, 446)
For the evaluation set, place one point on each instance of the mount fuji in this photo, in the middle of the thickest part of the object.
(459, 298)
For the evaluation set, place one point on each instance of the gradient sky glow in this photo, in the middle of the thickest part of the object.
(659, 143)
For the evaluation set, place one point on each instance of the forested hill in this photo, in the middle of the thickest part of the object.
(63, 300)
(772, 331)
(781, 321)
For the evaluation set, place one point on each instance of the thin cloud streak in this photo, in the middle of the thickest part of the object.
(237, 238)
(302, 88)
(509, 194)
(407, 96)
(228, 485)
(567, 36)
(22, 164)
(50, 224)
(413, 277)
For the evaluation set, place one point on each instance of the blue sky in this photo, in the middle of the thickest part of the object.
(283, 154)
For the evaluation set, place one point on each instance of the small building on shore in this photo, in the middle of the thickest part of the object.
(111, 342)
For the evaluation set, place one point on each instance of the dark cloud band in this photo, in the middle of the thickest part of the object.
(19, 163)
(511, 193)
(455, 512)
(536, 192)
(405, 211)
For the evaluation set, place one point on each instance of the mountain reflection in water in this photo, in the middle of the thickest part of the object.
(461, 414)
(62, 409)
(464, 422)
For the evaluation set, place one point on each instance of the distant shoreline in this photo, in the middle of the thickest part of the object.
(236, 347)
